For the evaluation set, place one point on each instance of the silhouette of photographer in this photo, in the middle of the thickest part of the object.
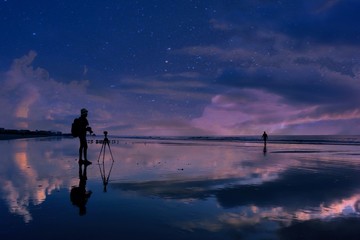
(83, 128)
(79, 195)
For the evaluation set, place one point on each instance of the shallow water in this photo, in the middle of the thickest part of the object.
(180, 189)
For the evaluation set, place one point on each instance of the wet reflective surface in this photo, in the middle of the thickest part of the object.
(179, 189)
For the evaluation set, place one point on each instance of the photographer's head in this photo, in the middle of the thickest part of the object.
(84, 112)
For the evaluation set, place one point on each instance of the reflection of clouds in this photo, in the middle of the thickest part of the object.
(343, 207)
(30, 173)
(251, 187)
(269, 192)
(250, 216)
(17, 202)
(246, 217)
(188, 161)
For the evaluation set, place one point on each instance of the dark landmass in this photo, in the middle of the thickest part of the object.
(6, 134)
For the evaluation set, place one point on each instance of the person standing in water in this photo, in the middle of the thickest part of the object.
(264, 137)
(83, 128)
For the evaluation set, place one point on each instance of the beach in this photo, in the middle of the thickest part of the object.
(298, 187)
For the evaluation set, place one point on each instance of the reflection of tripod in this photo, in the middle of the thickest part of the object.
(102, 154)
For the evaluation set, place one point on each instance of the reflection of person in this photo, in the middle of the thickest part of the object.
(83, 128)
(78, 195)
(264, 137)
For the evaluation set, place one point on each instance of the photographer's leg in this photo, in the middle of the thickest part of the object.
(83, 147)
(80, 150)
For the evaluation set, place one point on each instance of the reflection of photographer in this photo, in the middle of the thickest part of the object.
(83, 128)
(78, 195)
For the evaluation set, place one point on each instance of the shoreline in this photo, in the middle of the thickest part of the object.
(4, 137)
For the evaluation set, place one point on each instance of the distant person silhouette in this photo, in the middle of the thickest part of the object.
(78, 195)
(83, 128)
(265, 137)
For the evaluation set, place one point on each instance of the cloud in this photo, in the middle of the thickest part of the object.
(329, 22)
(319, 21)
(302, 55)
(34, 99)
(157, 105)
(251, 111)
(304, 82)
(246, 111)
(220, 25)
(327, 5)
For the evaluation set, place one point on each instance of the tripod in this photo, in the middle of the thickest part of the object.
(104, 177)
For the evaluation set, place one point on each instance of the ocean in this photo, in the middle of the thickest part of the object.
(297, 187)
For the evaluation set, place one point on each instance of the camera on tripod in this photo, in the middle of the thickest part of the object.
(106, 138)
(105, 143)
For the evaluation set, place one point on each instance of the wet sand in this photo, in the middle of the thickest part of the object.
(179, 189)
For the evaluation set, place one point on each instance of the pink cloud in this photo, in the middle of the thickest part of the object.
(35, 100)
(251, 111)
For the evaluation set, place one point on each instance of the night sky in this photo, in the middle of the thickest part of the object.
(181, 67)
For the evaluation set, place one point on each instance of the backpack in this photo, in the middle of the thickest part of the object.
(75, 127)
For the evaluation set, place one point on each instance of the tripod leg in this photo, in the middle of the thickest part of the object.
(102, 170)
(101, 151)
(112, 163)
(112, 158)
